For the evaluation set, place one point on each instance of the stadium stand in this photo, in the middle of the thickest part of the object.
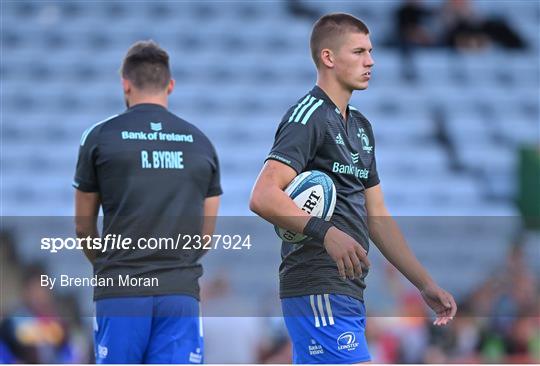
(447, 142)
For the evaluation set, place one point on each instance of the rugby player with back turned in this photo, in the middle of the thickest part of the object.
(322, 280)
(154, 175)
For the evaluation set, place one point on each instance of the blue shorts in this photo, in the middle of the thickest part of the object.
(326, 328)
(148, 329)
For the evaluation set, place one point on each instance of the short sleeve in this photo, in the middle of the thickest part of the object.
(373, 177)
(297, 139)
(214, 188)
(85, 174)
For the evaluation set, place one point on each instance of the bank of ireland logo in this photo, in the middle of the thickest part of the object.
(365, 140)
(354, 157)
(347, 341)
(315, 349)
(156, 126)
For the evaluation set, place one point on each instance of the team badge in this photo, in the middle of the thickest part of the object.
(365, 140)
(347, 341)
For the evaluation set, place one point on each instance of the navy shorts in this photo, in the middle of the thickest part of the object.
(148, 329)
(326, 328)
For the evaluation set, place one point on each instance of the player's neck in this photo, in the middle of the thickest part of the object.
(337, 94)
(146, 99)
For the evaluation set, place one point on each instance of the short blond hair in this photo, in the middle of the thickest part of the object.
(328, 31)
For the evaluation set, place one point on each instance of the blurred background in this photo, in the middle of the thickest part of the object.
(454, 101)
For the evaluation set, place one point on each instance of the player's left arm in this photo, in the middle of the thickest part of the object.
(86, 214)
(211, 206)
(213, 193)
(386, 235)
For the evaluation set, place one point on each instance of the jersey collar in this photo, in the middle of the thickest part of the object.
(146, 106)
(317, 92)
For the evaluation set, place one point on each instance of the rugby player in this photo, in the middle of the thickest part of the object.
(322, 281)
(154, 175)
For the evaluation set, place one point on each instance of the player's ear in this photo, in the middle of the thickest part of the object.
(126, 86)
(170, 87)
(327, 57)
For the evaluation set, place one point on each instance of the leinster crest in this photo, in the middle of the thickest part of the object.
(365, 140)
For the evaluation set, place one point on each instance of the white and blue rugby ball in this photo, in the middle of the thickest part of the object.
(315, 193)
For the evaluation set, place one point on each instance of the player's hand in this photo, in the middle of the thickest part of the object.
(346, 252)
(442, 303)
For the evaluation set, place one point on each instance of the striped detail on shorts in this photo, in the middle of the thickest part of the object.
(200, 322)
(322, 313)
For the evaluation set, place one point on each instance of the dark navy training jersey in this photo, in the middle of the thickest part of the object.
(314, 136)
(152, 171)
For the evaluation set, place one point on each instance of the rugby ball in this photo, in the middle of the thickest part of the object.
(315, 193)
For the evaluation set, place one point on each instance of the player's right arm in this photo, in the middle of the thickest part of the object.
(86, 213)
(212, 200)
(269, 201)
